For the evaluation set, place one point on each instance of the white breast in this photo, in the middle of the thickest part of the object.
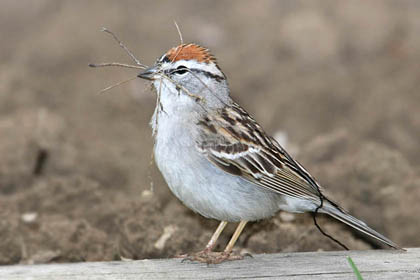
(202, 186)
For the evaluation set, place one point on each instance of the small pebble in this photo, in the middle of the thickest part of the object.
(29, 217)
(167, 233)
(287, 217)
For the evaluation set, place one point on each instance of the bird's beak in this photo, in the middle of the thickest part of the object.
(149, 73)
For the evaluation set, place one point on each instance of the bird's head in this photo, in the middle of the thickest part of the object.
(189, 70)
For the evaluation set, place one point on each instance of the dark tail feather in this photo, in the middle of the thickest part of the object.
(348, 219)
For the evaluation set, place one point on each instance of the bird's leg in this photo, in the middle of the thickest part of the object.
(226, 255)
(215, 236)
(208, 256)
(235, 237)
(212, 242)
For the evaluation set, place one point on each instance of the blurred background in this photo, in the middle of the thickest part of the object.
(336, 82)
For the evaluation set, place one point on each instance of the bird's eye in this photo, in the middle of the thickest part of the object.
(181, 70)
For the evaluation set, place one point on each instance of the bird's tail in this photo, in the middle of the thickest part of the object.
(341, 215)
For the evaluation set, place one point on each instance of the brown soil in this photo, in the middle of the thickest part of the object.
(340, 78)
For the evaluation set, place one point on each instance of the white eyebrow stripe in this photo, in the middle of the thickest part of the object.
(194, 64)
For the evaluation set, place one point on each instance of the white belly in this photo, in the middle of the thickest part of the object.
(205, 188)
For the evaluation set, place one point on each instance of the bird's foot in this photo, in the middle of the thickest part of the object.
(210, 257)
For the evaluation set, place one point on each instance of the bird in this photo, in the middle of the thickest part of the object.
(218, 160)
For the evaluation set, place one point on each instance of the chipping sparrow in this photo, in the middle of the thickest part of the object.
(218, 160)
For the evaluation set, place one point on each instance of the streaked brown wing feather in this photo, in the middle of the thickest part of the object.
(233, 141)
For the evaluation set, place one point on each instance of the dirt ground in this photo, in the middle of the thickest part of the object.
(337, 82)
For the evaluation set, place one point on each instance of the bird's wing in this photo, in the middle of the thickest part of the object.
(232, 140)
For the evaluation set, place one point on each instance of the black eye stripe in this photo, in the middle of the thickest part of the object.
(207, 74)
